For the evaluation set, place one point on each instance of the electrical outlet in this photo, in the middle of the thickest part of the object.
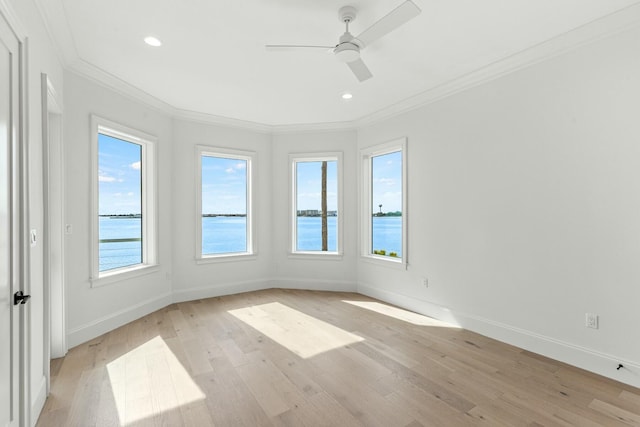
(591, 320)
(425, 282)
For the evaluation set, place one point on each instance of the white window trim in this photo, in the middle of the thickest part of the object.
(251, 158)
(314, 157)
(366, 154)
(149, 202)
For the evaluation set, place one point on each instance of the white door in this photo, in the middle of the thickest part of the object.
(9, 237)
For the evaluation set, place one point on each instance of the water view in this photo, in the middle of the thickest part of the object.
(224, 234)
(387, 235)
(121, 243)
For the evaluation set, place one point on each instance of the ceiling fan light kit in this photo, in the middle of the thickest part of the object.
(347, 52)
(348, 48)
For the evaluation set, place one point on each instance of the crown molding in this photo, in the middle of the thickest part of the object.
(211, 119)
(112, 82)
(614, 23)
(588, 33)
(205, 118)
(314, 127)
(109, 81)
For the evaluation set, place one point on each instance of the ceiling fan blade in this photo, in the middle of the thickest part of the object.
(394, 19)
(295, 47)
(360, 70)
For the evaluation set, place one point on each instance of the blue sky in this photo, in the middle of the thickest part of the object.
(118, 176)
(224, 181)
(387, 182)
(224, 186)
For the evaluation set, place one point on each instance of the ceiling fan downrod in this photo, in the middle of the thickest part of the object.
(347, 50)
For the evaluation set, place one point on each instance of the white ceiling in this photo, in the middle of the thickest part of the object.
(213, 59)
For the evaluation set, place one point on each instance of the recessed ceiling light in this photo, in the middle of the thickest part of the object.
(347, 95)
(152, 41)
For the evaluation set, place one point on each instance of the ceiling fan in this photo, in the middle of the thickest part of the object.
(348, 48)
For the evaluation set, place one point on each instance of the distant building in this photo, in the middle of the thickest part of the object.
(315, 212)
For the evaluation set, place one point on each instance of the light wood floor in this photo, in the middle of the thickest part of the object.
(303, 358)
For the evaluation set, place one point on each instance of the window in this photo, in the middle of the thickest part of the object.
(384, 168)
(124, 214)
(316, 216)
(224, 211)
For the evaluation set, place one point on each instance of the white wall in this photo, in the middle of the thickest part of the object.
(524, 199)
(93, 311)
(524, 195)
(313, 272)
(40, 59)
(191, 280)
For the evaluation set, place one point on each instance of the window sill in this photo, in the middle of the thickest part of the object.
(396, 264)
(235, 257)
(123, 274)
(328, 256)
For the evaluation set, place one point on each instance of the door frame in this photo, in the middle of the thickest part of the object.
(53, 236)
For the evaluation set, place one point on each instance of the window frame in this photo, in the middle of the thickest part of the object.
(251, 158)
(148, 177)
(367, 154)
(295, 158)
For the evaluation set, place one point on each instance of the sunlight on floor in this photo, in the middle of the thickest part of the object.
(400, 314)
(149, 380)
(302, 334)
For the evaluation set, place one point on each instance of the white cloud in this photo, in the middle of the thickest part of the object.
(105, 178)
(242, 165)
(130, 193)
(135, 165)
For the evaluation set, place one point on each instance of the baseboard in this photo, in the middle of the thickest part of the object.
(108, 323)
(38, 401)
(584, 358)
(314, 284)
(183, 295)
(190, 294)
(105, 324)
(419, 306)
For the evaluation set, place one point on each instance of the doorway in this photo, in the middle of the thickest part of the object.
(54, 318)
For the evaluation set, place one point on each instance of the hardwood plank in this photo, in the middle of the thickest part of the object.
(312, 358)
(615, 412)
(631, 397)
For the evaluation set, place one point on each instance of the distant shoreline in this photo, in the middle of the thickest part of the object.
(128, 216)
